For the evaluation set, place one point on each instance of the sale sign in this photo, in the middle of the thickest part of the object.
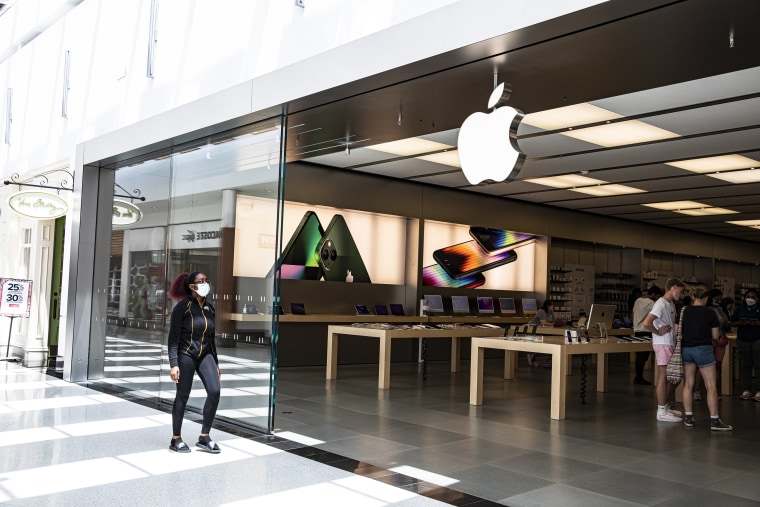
(15, 297)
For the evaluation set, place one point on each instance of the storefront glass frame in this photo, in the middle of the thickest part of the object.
(205, 185)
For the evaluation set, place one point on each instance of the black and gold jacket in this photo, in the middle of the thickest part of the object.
(191, 330)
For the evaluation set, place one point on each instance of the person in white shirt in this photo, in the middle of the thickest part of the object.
(661, 321)
(641, 308)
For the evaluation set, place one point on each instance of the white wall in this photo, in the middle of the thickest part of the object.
(215, 60)
(207, 46)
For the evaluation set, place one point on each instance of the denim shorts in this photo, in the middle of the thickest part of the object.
(701, 355)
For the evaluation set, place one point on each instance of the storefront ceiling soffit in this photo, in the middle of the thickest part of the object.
(689, 69)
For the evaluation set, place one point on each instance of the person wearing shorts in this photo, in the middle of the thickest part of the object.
(700, 326)
(641, 308)
(661, 322)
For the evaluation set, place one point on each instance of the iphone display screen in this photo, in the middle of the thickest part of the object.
(468, 258)
(492, 240)
(435, 276)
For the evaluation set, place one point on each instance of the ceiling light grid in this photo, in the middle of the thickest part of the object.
(585, 185)
(691, 208)
(736, 169)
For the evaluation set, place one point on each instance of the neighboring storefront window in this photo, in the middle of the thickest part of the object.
(187, 222)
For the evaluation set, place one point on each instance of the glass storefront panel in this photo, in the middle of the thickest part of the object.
(136, 281)
(211, 206)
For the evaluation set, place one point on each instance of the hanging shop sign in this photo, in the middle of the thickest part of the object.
(38, 205)
(125, 213)
(15, 297)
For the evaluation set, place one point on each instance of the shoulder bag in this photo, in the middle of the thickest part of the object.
(674, 370)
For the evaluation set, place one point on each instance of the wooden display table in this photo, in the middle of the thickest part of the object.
(392, 319)
(386, 336)
(327, 318)
(560, 352)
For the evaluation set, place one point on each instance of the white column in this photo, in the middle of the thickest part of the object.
(34, 330)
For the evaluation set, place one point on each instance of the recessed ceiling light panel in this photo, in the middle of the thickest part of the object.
(569, 116)
(608, 190)
(712, 164)
(675, 205)
(450, 158)
(409, 147)
(621, 134)
(703, 212)
(739, 177)
(745, 223)
(565, 181)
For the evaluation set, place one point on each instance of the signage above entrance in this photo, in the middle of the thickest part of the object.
(487, 143)
(125, 213)
(38, 205)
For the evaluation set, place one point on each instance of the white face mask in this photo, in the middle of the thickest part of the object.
(203, 289)
(750, 302)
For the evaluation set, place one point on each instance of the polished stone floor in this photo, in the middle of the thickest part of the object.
(344, 442)
(610, 451)
(64, 444)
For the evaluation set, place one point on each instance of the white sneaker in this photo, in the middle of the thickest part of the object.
(668, 417)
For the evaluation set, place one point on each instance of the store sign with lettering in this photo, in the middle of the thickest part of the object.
(15, 297)
(195, 235)
(38, 205)
(125, 213)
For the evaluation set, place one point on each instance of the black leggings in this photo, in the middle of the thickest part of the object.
(206, 368)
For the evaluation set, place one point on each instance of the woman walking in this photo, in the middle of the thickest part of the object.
(192, 349)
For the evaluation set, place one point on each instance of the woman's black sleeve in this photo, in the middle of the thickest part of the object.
(175, 327)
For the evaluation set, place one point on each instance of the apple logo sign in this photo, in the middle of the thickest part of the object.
(487, 143)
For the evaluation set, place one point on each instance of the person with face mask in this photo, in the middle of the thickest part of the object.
(192, 349)
(747, 319)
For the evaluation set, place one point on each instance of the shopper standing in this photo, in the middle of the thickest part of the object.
(747, 319)
(641, 308)
(192, 349)
(700, 326)
(661, 322)
(713, 301)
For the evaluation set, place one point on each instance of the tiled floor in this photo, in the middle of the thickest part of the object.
(64, 444)
(67, 445)
(611, 451)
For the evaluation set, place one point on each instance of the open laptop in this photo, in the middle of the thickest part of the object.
(434, 303)
(507, 306)
(460, 304)
(485, 305)
(381, 310)
(397, 309)
(297, 309)
(529, 307)
(362, 310)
